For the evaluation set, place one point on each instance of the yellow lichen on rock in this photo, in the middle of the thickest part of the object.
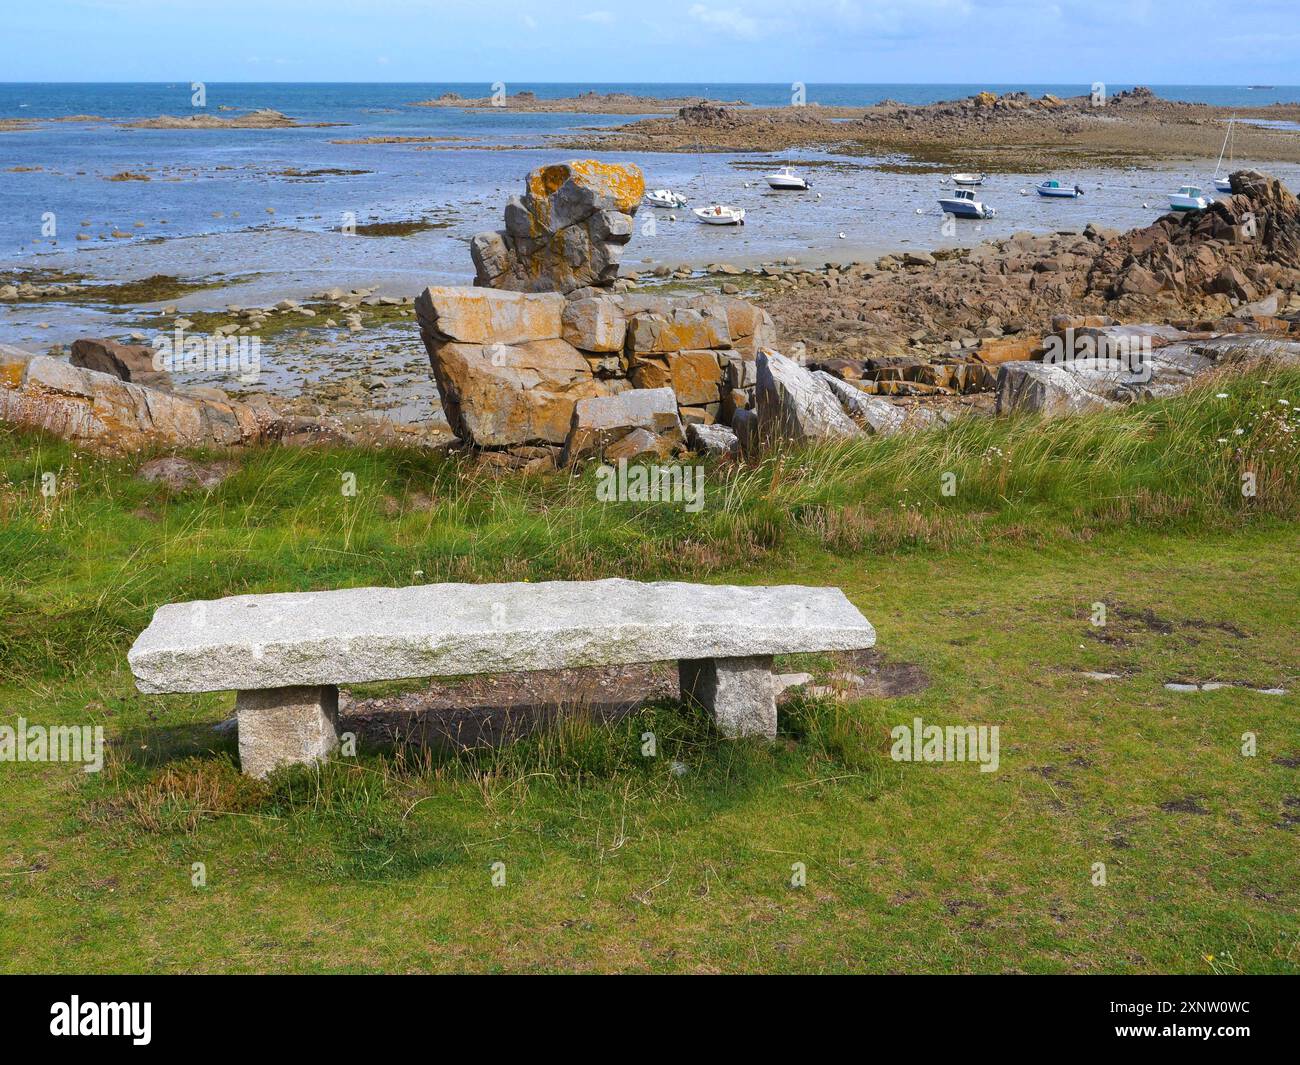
(626, 183)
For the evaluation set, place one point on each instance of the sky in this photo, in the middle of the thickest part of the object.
(949, 41)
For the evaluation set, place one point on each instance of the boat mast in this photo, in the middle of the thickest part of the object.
(1227, 138)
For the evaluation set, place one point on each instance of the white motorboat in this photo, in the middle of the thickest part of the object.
(719, 214)
(1222, 182)
(786, 178)
(968, 179)
(1189, 198)
(665, 198)
(1056, 189)
(963, 204)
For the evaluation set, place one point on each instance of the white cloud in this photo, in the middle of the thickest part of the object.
(604, 18)
(730, 19)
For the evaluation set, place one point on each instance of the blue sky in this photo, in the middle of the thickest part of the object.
(1147, 41)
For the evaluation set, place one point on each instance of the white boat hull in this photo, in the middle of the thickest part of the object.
(968, 179)
(793, 184)
(720, 216)
(1189, 203)
(967, 209)
(1059, 193)
(666, 199)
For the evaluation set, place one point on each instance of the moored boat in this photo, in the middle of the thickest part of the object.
(786, 178)
(719, 214)
(963, 204)
(665, 198)
(1054, 188)
(968, 179)
(1189, 198)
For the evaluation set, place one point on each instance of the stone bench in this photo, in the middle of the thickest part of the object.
(286, 654)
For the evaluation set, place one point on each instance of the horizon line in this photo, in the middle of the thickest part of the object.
(534, 81)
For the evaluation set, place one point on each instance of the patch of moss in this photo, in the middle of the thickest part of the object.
(151, 289)
(399, 229)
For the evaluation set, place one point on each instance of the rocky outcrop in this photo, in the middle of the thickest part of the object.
(512, 366)
(1094, 384)
(107, 413)
(104, 411)
(566, 232)
(505, 375)
(993, 303)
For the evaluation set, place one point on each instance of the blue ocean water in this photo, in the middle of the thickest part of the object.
(333, 101)
(267, 202)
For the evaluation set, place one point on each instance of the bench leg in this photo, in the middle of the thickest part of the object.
(738, 692)
(286, 726)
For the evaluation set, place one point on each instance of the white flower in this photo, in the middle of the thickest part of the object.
(1221, 395)
(1238, 432)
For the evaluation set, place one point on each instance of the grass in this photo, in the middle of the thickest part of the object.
(682, 862)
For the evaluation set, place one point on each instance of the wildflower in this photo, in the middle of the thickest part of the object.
(1221, 395)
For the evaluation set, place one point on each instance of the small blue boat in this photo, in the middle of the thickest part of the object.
(1055, 188)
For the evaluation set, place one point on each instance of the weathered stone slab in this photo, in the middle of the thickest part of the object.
(695, 376)
(1054, 389)
(877, 415)
(604, 420)
(13, 363)
(717, 441)
(362, 634)
(793, 403)
(595, 324)
(750, 327)
(489, 315)
(286, 726)
(677, 331)
(499, 395)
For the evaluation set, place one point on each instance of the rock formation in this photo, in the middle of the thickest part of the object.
(517, 370)
(566, 232)
(105, 411)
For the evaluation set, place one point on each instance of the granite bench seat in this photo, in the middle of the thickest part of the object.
(286, 654)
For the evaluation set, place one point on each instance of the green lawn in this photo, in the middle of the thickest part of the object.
(615, 862)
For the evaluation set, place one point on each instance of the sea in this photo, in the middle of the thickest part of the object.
(265, 213)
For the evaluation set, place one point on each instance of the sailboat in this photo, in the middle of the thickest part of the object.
(1224, 183)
